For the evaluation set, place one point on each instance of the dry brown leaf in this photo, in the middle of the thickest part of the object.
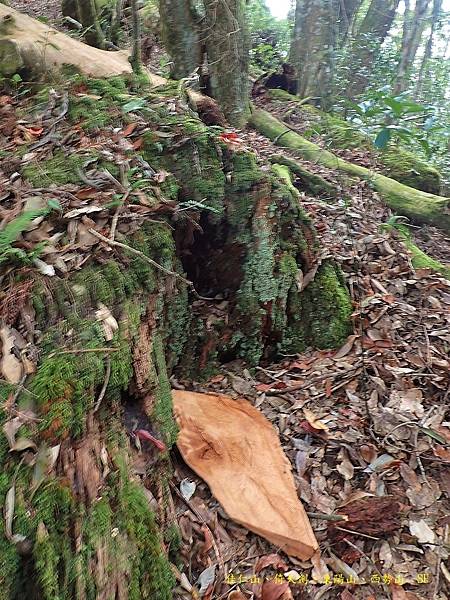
(270, 560)
(10, 366)
(274, 590)
(313, 420)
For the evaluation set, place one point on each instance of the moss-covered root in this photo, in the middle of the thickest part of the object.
(419, 259)
(418, 206)
(313, 184)
(395, 162)
(283, 173)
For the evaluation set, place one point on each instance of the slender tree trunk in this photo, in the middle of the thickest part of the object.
(86, 12)
(347, 10)
(436, 13)
(227, 44)
(312, 48)
(136, 61)
(413, 27)
(367, 43)
(181, 37)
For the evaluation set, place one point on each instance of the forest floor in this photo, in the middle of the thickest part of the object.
(366, 427)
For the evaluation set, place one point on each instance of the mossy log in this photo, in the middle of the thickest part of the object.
(420, 207)
(312, 183)
(395, 162)
(38, 48)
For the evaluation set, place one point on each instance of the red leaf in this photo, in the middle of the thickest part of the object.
(129, 129)
(228, 136)
(137, 144)
(143, 434)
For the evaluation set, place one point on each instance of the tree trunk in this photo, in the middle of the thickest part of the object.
(312, 48)
(136, 60)
(436, 14)
(418, 206)
(86, 12)
(413, 26)
(366, 45)
(181, 36)
(227, 44)
(347, 10)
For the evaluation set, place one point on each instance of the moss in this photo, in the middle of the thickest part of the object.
(177, 326)
(150, 576)
(194, 162)
(59, 169)
(420, 259)
(162, 412)
(326, 308)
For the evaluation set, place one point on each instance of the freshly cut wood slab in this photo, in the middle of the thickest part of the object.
(235, 449)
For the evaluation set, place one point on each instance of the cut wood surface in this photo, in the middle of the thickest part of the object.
(41, 47)
(235, 449)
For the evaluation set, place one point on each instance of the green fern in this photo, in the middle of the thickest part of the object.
(12, 232)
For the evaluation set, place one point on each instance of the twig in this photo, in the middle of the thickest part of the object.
(366, 535)
(438, 565)
(82, 351)
(19, 388)
(323, 517)
(148, 260)
(105, 384)
(112, 231)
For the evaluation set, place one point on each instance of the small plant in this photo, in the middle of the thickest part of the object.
(388, 118)
(14, 229)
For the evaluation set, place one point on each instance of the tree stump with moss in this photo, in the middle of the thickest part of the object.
(84, 523)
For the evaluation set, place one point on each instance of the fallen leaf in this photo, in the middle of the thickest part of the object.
(10, 366)
(108, 322)
(313, 420)
(269, 560)
(236, 595)
(422, 531)
(187, 488)
(206, 579)
(23, 444)
(274, 590)
(9, 510)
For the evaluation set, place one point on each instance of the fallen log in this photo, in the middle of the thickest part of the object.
(26, 43)
(418, 206)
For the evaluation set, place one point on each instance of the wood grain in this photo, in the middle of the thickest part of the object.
(235, 449)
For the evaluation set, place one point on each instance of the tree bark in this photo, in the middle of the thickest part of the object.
(367, 43)
(312, 48)
(86, 12)
(413, 26)
(227, 42)
(136, 61)
(181, 36)
(418, 206)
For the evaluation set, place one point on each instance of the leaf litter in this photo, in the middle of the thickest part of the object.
(365, 426)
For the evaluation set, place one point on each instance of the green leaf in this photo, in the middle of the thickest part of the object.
(434, 434)
(382, 139)
(132, 105)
